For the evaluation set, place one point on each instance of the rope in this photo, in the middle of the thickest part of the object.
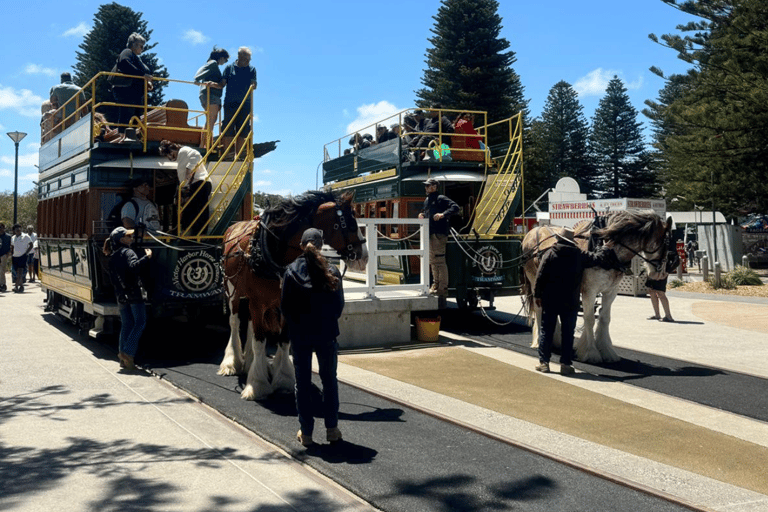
(500, 324)
(382, 235)
(162, 233)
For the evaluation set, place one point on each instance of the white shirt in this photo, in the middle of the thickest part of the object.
(188, 160)
(147, 213)
(20, 244)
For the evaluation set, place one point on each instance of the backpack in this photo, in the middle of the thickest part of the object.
(114, 219)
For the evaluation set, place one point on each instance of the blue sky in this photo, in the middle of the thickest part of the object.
(327, 69)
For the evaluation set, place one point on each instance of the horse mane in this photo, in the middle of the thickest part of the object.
(297, 208)
(639, 226)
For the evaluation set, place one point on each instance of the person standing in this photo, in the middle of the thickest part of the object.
(65, 91)
(657, 287)
(556, 292)
(32, 256)
(129, 92)
(195, 187)
(238, 77)
(124, 271)
(211, 83)
(22, 247)
(312, 301)
(5, 255)
(438, 209)
(144, 213)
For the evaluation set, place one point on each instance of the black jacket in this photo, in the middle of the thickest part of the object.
(436, 203)
(312, 315)
(124, 267)
(558, 279)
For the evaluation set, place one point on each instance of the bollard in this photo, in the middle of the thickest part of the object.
(704, 268)
(717, 274)
(745, 261)
(680, 271)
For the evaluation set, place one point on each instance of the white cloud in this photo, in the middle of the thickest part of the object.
(596, 82)
(78, 31)
(34, 69)
(369, 115)
(195, 37)
(5, 173)
(32, 176)
(26, 160)
(23, 101)
(262, 183)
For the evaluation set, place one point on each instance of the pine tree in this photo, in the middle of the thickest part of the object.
(566, 137)
(468, 65)
(718, 150)
(112, 24)
(618, 148)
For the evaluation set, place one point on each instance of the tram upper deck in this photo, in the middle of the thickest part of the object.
(85, 164)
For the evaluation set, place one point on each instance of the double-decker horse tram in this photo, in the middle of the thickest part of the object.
(87, 166)
(480, 168)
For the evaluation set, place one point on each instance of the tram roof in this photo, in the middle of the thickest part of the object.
(140, 162)
(446, 176)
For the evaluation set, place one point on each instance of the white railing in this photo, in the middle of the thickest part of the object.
(371, 288)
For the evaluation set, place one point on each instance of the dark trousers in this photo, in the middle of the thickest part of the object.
(549, 318)
(327, 360)
(200, 192)
(131, 97)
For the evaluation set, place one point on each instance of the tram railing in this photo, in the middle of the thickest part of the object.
(371, 287)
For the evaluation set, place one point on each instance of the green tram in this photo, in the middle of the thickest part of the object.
(484, 179)
(85, 166)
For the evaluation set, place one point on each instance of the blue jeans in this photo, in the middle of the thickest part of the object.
(133, 319)
(547, 332)
(327, 360)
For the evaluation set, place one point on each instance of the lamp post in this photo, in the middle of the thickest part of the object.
(714, 220)
(16, 137)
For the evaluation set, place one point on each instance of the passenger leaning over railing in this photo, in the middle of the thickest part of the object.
(129, 92)
(212, 85)
(64, 92)
(196, 190)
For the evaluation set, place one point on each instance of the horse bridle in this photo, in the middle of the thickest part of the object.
(348, 252)
(657, 264)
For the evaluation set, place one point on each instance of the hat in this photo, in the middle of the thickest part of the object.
(312, 236)
(566, 234)
(431, 181)
(118, 233)
(137, 182)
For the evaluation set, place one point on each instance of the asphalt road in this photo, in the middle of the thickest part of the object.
(395, 457)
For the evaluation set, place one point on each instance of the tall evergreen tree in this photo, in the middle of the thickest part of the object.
(618, 147)
(112, 24)
(469, 66)
(566, 137)
(719, 151)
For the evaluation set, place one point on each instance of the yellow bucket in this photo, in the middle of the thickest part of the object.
(427, 329)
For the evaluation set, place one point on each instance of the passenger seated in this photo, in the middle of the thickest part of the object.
(106, 133)
(358, 142)
(47, 121)
(465, 125)
(383, 134)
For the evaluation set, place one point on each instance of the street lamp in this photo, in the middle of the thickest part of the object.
(16, 138)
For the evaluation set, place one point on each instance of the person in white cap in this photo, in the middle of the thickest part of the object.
(124, 268)
(556, 292)
(312, 300)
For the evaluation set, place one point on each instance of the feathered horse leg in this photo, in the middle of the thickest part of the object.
(232, 363)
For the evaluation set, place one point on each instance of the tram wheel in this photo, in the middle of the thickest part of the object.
(468, 302)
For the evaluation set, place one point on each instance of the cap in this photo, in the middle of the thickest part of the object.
(118, 233)
(431, 181)
(137, 182)
(312, 236)
(566, 233)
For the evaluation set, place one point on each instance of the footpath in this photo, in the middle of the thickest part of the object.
(77, 434)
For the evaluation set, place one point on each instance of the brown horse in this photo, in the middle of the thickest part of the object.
(255, 254)
(629, 233)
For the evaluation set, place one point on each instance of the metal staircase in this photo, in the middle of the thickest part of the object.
(500, 195)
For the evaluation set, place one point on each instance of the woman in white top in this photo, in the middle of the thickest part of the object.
(195, 187)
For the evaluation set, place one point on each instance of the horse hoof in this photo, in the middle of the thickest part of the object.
(227, 370)
(251, 395)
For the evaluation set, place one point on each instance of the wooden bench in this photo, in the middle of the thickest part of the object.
(172, 125)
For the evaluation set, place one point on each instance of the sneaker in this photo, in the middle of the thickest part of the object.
(303, 439)
(566, 369)
(543, 368)
(332, 435)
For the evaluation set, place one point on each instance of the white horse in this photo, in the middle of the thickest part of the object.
(629, 233)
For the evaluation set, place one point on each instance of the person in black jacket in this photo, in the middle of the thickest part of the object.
(438, 209)
(129, 92)
(124, 268)
(556, 292)
(312, 301)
